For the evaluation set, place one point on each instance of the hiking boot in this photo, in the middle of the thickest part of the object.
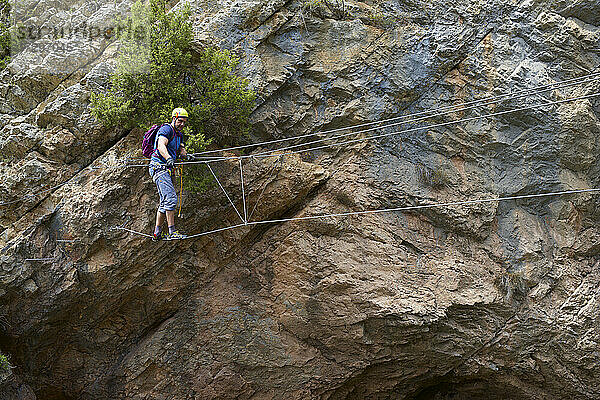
(176, 235)
(157, 237)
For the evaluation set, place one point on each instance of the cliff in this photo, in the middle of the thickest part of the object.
(494, 300)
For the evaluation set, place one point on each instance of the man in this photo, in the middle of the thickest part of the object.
(167, 146)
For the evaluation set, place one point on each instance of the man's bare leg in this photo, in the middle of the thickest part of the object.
(170, 218)
(160, 219)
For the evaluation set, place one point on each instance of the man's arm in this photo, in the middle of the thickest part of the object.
(162, 147)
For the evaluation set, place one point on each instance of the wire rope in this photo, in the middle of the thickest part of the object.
(288, 150)
(447, 109)
(422, 115)
(384, 210)
(270, 153)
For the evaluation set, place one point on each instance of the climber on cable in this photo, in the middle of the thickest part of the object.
(167, 147)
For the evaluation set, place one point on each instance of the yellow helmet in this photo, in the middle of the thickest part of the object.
(179, 112)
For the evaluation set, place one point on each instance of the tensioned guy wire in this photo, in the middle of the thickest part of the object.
(447, 109)
(267, 154)
(120, 228)
(434, 205)
(225, 191)
(409, 208)
(377, 211)
(243, 192)
(422, 115)
(418, 128)
(288, 150)
(570, 82)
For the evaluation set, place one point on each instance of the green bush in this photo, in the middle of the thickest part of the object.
(434, 177)
(4, 33)
(157, 71)
(337, 8)
(4, 364)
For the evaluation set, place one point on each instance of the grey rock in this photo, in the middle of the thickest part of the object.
(491, 300)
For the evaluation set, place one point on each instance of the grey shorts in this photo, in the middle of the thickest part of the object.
(166, 191)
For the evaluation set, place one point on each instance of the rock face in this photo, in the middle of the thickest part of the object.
(496, 300)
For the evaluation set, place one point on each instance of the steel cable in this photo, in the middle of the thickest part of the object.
(377, 211)
(422, 116)
(288, 150)
(271, 153)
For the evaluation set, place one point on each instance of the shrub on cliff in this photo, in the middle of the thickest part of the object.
(5, 366)
(4, 33)
(157, 70)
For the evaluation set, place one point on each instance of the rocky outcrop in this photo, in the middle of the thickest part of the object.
(493, 300)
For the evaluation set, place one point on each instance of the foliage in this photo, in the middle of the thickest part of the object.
(434, 177)
(377, 18)
(515, 284)
(157, 71)
(5, 36)
(5, 366)
(337, 8)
